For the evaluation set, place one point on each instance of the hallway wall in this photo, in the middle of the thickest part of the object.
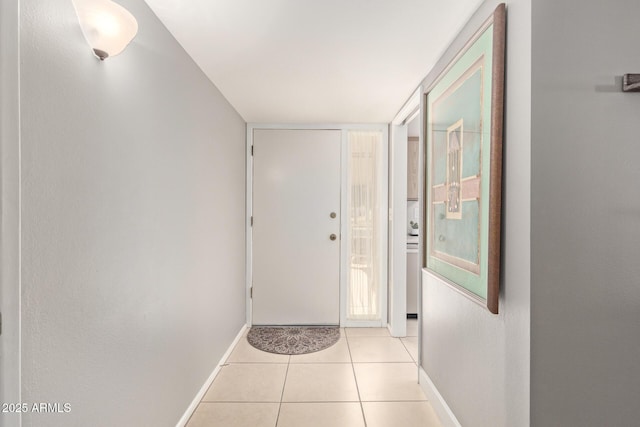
(9, 210)
(479, 362)
(585, 217)
(133, 175)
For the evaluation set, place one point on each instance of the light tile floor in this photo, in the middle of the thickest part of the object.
(367, 379)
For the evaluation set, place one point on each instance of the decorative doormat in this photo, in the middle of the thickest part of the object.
(293, 339)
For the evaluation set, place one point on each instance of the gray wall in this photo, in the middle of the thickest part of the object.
(585, 218)
(132, 223)
(479, 362)
(9, 204)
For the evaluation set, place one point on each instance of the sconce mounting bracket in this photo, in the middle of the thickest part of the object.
(631, 83)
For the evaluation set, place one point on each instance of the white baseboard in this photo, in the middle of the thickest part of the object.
(196, 400)
(447, 418)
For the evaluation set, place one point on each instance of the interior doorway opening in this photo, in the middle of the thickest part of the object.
(413, 216)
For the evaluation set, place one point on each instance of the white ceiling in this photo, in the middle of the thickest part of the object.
(315, 61)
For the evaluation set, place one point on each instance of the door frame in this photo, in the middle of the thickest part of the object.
(10, 280)
(344, 128)
(398, 216)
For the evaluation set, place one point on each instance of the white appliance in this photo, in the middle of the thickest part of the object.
(412, 274)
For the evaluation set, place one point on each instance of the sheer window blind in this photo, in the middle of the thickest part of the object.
(363, 296)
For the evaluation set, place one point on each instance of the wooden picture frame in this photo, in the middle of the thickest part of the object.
(463, 174)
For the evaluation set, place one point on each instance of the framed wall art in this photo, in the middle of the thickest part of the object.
(464, 128)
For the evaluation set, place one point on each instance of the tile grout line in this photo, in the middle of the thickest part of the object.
(384, 363)
(353, 369)
(405, 347)
(283, 386)
(212, 402)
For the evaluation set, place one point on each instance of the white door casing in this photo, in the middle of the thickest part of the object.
(397, 224)
(398, 231)
(295, 264)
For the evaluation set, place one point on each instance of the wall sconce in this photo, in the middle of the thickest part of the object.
(107, 26)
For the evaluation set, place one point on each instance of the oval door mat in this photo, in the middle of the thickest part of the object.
(293, 339)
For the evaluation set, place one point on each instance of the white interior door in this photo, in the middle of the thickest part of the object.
(296, 211)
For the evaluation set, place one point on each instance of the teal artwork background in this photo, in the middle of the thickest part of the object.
(465, 104)
(462, 234)
(470, 101)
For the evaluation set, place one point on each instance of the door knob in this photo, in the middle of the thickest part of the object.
(332, 237)
(332, 214)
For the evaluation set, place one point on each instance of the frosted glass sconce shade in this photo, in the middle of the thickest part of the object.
(107, 26)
